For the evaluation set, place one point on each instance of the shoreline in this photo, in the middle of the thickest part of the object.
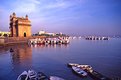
(12, 43)
(8, 41)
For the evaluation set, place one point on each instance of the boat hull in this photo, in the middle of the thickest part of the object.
(92, 73)
(55, 78)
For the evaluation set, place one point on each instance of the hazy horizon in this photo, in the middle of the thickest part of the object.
(73, 17)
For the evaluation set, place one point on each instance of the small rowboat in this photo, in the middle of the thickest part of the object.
(94, 74)
(55, 78)
(42, 76)
(79, 71)
(83, 67)
(23, 76)
(32, 75)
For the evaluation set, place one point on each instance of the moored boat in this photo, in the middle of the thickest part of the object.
(23, 76)
(72, 64)
(32, 75)
(42, 76)
(79, 71)
(55, 78)
(94, 74)
(85, 66)
(97, 76)
(42, 41)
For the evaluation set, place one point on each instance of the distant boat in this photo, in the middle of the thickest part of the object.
(32, 75)
(11, 50)
(23, 76)
(42, 76)
(55, 78)
(94, 74)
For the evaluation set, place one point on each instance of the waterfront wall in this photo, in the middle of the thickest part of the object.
(16, 40)
(2, 40)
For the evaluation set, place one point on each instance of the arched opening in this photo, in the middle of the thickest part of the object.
(24, 34)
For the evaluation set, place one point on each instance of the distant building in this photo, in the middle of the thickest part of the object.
(45, 33)
(20, 26)
(41, 32)
(52, 34)
(4, 34)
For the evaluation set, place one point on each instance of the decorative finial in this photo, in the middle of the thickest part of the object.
(14, 15)
(26, 16)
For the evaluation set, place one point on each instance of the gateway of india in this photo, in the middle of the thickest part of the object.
(20, 26)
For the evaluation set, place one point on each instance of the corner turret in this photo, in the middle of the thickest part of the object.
(14, 14)
(26, 16)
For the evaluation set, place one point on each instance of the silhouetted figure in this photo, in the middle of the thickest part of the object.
(11, 50)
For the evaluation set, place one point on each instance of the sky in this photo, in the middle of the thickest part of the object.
(72, 17)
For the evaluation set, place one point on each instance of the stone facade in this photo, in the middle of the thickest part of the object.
(20, 26)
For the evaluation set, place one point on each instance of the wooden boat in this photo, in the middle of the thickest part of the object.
(42, 76)
(79, 71)
(72, 64)
(55, 78)
(94, 74)
(98, 76)
(23, 76)
(32, 75)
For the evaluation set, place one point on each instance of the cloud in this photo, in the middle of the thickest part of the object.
(35, 1)
(56, 5)
(25, 6)
(59, 4)
(30, 6)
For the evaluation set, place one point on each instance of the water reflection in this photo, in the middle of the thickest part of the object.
(50, 46)
(103, 56)
(21, 57)
(3, 50)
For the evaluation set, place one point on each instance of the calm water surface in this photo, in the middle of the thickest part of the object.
(103, 56)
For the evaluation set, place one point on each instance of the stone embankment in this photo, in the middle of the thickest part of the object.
(16, 40)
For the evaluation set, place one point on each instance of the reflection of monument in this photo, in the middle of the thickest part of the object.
(19, 26)
(22, 56)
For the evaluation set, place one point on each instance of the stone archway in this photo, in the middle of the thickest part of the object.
(24, 34)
